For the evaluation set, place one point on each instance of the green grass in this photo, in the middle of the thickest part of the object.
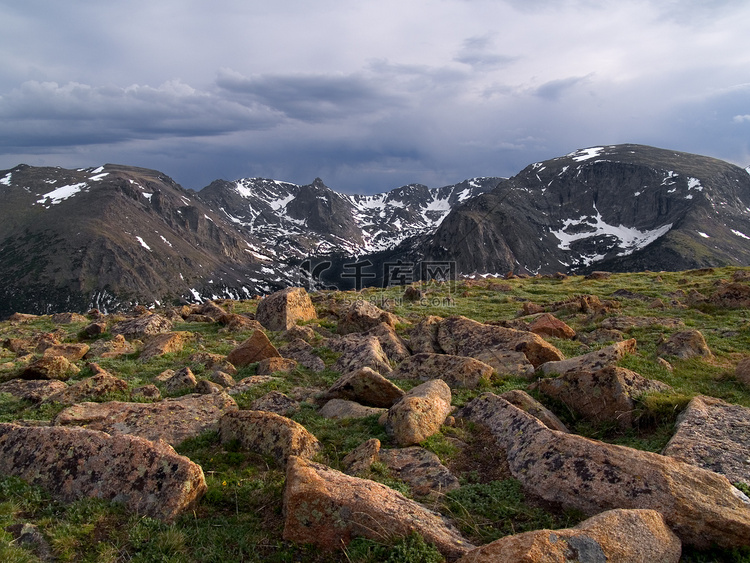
(240, 518)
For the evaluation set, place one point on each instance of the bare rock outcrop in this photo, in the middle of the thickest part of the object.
(282, 310)
(150, 478)
(112, 348)
(328, 509)
(99, 385)
(423, 338)
(268, 433)
(35, 390)
(615, 536)
(172, 420)
(700, 506)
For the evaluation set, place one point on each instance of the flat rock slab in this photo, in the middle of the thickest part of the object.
(171, 420)
(456, 371)
(685, 344)
(527, 403)
(593, 361)
(150, 478)
(701, 507)
(342, 408)
(143, 326)
(328, 509)
(615, 536)
(268, 433)
(465, 337)
(626, 323)
(35, 390)
(715, 435)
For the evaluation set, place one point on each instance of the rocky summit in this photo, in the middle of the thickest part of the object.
(115, 236)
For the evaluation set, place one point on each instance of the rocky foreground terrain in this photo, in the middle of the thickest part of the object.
(556, 418)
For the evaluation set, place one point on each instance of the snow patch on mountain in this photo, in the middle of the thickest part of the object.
(62, 193)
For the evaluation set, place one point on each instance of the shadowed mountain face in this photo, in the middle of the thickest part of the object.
(622, 208)
(116, 235)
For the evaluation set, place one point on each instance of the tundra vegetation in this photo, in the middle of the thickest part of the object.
(241, 518)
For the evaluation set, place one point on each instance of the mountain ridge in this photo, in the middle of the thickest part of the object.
(116, 235)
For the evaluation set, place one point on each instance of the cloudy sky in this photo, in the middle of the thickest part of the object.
(368, 95)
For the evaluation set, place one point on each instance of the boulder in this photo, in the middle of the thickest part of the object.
(68, 318)
(367, 387)
(420, 469)
(222, 378)
(239, 323)
(282, 310)
(161, 344)
(142, 327)
(615, 536)
(247, 383)
(205, 387)
(529, 404)
(593, 361)
(362, 316)
(742, 372)
(685, 344)
(714, 435)
(731, 295)
(359, 351)
(50, 367)
(464, 337)
(113, 348)
(171, 420)
(35, 390)
(302, 351)
(391, 343)
(146, 392)
(628, 323)
(213, 362)
(549, 325)
(21, 318)
(256, 348)
(302, 332)
(71, 352)
(276, 402)
(700, 506)
(150, 478)
(341, 408)
(94, 329)
(273, 365)
(361, 458)
(182, 379)
(328, 509)
(268, 433)
(99, 385)
(423, 338)
(420, 413)
(607, 395)
(456, 371)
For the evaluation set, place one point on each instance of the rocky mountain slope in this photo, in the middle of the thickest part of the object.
(107, 236)
(620, 208)
(104, 237)
(299, 221)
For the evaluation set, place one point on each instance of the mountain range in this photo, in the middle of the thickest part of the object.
(112, 236)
